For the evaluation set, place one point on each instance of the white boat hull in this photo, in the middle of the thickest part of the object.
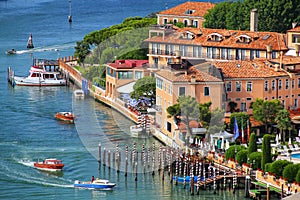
(26, 81)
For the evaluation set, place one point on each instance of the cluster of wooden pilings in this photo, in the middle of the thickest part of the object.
(173, 164)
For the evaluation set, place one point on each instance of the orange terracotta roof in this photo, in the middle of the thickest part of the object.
(128, 64)
(182, 76)
(197, 9)
(230, 38)
(247, 69)
(296, 29)
(287, 60)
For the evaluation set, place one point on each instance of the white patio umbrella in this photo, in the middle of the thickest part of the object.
(276, 139)
(227, 145)
(299, 133)
(290, 141)
(279, 136)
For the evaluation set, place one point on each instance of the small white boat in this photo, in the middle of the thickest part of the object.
(138, 131)
(40, 75)
(11, 52)
(98, 184)
(79, 94)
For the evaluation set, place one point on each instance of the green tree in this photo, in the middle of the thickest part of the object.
(232, 151)
(216, 122)
(283, 121)
(241, 118)
(255, 160)
(205, 113)
(267, 167)
(232, 106)
(81, 51)
(266, 150)
(278, 166)
(144, 87)
(241, 156)
(265, 111)
(275, 15)
(290, 171)
(252, 144)
(298, 177)
(187, 109)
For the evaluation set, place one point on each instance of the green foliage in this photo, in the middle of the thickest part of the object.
(232, 151)
(144, 87)
(278, 166)
(232, 106)
(241, 117)
(283, 121)
(123, 40)
(265, 111)
(255, 160)
(216, 121)
(290, 171)
(266, 151)
(205, 113)
(267, 167)
(241, 156)
(275, 16)
(96, 74)
(252, 144)
(298, 177)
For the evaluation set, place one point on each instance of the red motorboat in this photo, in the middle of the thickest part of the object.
(65, 116)
(50, 164)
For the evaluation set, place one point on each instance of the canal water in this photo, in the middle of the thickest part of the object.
(28, 130)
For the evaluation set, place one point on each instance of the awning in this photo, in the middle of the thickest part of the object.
(126, 88)
(291, 52)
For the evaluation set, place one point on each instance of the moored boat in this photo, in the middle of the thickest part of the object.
(78, 94)
(99, 184)
(11, 52)
(50, 164)
(65, 116)
(44, 73)
(138, 131)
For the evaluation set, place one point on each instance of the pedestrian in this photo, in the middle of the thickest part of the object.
(93, 178)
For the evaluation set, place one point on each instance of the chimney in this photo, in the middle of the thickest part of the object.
(297, 50)
(269, 51)
(254, 20)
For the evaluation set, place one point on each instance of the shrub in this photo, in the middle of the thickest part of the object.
(252, 144)
(257, 157)
(267, 167)
(290, 172)
(278, 166)
(266, 151)
(230, 152)
(241, 156)
(298, 176)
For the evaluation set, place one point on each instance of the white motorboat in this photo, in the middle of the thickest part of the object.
(78, 94)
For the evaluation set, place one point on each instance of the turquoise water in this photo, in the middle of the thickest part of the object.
(28, 130)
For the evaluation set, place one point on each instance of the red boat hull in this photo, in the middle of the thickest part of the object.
(49, 165)
(65, 116)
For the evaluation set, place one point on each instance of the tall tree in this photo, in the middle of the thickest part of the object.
(283, 121)
(265, 111)
(216, 17)
(187, 108)
(144, 87)
(252, 144)
(266, 150)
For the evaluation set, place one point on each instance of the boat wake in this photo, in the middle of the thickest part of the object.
(27, 163)
(47, 48)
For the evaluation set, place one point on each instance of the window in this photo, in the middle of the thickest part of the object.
(266, 85)
(249, 86)
(298, 82)
(156, 62)
(252, 54)
(257, 54)
(175, 21)
(185, 22)
(295, 38)
(158, 83)
(249, 99)
(293, 83)
(243, 106)
(229, 54)
(238, 86)
(170, 89)
(169, 127)
(169, 49)
(195, 24)
(223, 53)
(228, 86)
(183, 50)
(273, 84)
(206, 91)
(279, 84)
(273, 54)
(181, 91)
(125, 75)
(287, 84)
(296, 103)
(209, 52)
(138, 75)
(165, 20)
(197, 51)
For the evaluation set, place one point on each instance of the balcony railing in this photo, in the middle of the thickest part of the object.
(198, 55)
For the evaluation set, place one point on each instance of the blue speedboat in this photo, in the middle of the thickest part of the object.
(98, 184)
